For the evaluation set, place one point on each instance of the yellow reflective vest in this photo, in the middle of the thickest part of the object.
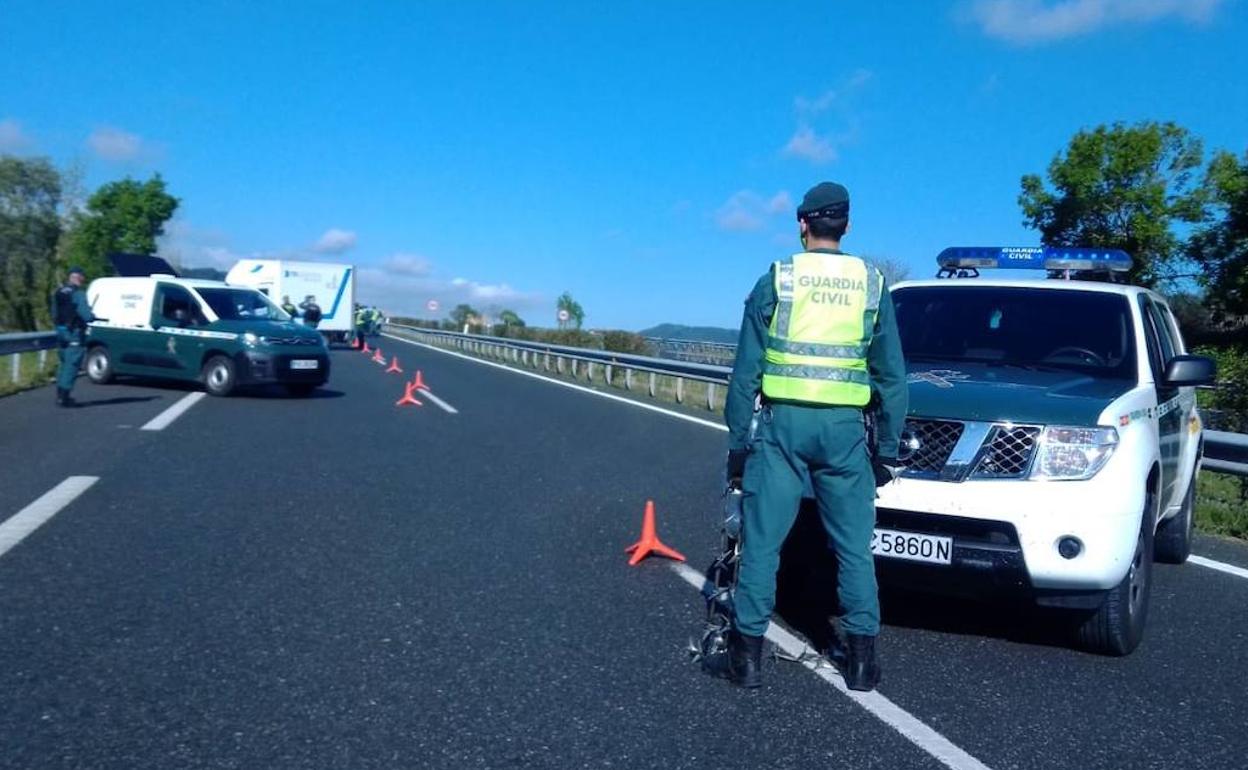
(825, 317)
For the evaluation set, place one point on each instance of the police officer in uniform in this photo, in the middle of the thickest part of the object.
(70, 314)
(289, 307)
(818, 345)
(311, 311)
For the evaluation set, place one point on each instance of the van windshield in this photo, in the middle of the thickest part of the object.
(242, 305)
(1088, 332)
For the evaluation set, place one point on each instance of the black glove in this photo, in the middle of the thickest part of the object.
(886, 469)
(736, 466)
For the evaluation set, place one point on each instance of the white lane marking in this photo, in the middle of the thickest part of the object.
(162, 420)
(573, 386)
(441, 404)
(19, 525)
(1220, 566)
(910, 726)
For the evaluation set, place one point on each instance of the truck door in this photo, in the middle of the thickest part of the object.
(1170, 417)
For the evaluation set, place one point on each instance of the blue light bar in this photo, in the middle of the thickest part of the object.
(1033, 258)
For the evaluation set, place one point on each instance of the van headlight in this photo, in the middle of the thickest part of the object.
(1073, 454)
(250, 339)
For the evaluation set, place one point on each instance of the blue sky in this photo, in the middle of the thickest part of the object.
(645, 156)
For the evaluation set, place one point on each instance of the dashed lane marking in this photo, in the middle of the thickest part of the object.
(911, 727)
(162, 420)
(441, 404)
(15, 529)
(1220, 566)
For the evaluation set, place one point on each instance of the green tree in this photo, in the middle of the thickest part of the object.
(1221, 248)
(576, 314)
(1120, 187)
(126, 215)
(30, 225)
(509, 318)
(463, 314)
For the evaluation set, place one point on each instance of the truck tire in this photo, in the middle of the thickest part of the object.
(1174, 536)
(99, 365)
(1118, 626)
(219, 376)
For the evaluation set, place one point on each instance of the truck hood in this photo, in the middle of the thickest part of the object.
(994, 393)
(270, 328)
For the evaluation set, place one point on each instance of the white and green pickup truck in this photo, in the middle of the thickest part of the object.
(1053, 440)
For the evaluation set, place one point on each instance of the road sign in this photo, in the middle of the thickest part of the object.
(564, 316)
(432, 305)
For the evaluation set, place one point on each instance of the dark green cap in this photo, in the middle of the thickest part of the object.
(826, 200)
(78, 270)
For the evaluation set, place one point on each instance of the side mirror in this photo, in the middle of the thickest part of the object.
(1186, 371)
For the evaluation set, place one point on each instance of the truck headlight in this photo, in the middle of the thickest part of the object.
(250, 339)
(1073, 454)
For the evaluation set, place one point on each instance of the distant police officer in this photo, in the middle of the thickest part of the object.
(311, 311)
(70, 314)
(818, 344)
(289, 307)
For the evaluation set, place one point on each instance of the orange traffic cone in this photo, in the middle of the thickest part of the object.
(355, 343)
(365, 349)
(419, 382)
(378, 357)
(649, 542)
(408, 398)
(394, 366)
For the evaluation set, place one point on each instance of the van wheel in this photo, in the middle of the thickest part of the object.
(219, 376)
(1118, 626)
(1174, 536)
(99, 365)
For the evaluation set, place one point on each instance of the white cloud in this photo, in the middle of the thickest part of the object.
(746, 210)
(335, 241)
(407, 264)
(827, 121)
(1039, 21)
(407, 295)
(12, 137)
(808, 145)
(114, 144)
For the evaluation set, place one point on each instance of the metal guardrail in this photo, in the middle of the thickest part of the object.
(565, 359)
(13, 345)
(716, 353)
(1224, 452)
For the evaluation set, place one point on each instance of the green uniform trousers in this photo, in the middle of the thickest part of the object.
(824, 447)
(70, 352)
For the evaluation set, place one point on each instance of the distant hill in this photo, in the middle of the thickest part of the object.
(693, 333)
(204, 273)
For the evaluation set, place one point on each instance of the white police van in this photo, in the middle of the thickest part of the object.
(1052, 444)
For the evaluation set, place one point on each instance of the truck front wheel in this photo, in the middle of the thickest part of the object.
(1174, 536)
(1118, 626)
(220, 376)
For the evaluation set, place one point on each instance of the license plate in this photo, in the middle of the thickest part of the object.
(305, 363)
(912, 546)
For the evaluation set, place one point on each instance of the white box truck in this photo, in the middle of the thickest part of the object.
(331, 286)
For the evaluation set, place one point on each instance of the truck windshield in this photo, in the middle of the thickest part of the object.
(1086, 331)
(242, 305)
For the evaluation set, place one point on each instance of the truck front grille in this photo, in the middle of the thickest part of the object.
(927, 444)
(1007, 452)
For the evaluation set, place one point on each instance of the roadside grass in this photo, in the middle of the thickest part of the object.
(29, 374)
(1221, 508)
(1221, 505)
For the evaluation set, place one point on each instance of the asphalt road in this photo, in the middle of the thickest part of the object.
(338, 582)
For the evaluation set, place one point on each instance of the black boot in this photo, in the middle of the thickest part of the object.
(741, 663)
(862, 668)
(62, 398)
